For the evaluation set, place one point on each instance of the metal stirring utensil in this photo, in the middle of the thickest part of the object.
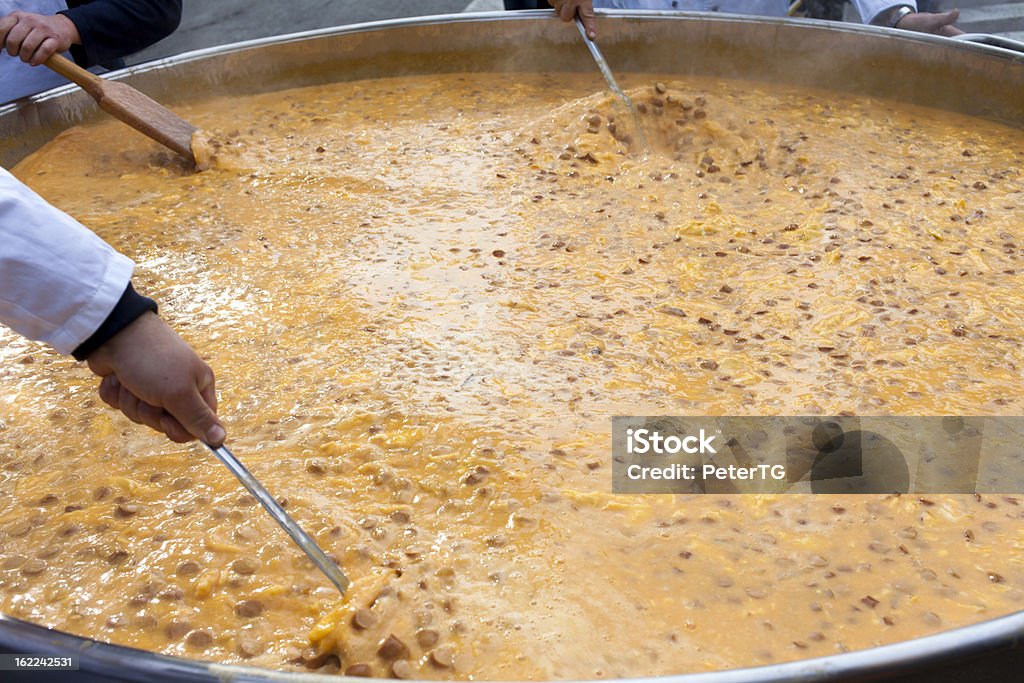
(606, 71)
(602, 64)
(325, 564)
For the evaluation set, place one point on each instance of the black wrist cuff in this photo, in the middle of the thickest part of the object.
(129, 307)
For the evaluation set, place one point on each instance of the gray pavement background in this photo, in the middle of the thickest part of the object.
(214, 22)
(985, 16)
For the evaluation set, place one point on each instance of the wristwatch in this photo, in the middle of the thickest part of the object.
(896, 15)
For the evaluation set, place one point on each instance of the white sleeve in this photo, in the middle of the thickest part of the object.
(870, 9)
(58, 280)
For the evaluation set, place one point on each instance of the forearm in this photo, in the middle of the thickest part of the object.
(63, 285)
(111, 29)
(59, 282)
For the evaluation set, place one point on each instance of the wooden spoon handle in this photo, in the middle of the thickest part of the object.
(88, 81)
(127, 104)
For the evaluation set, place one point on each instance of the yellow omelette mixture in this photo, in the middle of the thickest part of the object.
(426, 297)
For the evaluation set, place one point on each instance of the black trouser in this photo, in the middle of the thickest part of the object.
(823, 9)
(527, 4)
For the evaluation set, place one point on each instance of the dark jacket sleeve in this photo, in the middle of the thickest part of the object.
(128, 308)
(111, 29)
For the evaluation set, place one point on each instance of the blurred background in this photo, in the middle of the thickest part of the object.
(215, 22)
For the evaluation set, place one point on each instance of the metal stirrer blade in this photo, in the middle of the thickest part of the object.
(325, 564)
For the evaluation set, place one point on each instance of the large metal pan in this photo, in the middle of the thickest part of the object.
(974, 79)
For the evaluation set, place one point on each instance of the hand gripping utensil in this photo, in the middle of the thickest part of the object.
(325, 564)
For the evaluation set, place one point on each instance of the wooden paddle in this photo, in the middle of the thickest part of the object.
(126, 103)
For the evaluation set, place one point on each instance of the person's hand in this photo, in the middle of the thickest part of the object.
(36, 37)
(152, 376)
(568, 9)
(940, 23)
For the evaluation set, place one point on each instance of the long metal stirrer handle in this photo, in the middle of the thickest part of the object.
(325, 564)
(606, 71)
(602, 64)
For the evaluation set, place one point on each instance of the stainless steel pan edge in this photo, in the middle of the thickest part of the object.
(931, 71)
(956, 655)
(938, 72)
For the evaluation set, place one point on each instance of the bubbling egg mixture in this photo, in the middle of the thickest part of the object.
(425, 298)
